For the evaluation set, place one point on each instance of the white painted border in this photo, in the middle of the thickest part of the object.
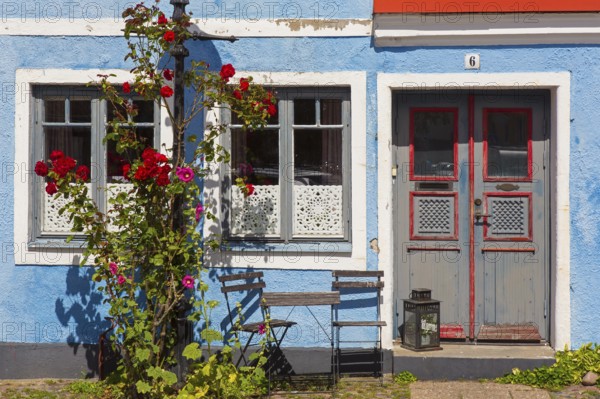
(226, 27)
(24, 79)
(560, 86)
(310, 260)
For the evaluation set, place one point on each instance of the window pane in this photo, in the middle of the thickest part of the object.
(271, 120)
(73, 141)
(318, 157)
(54, 111)
(116, 112)
(433, 135)
(305, 112)
(145, 111)
(508, 137)
(331, 112)
(256, 156)
(115, 161)
(81, 111)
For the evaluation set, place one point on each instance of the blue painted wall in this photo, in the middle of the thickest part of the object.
(59, 304)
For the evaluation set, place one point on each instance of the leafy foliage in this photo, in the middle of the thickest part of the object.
(404, 378)
(569, 369)
(147, 249)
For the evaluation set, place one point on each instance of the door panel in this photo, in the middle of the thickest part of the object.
(471, 200)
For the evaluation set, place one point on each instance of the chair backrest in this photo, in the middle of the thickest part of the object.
(360, 280)
(240, 282)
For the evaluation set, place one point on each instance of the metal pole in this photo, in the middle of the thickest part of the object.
(179, 52)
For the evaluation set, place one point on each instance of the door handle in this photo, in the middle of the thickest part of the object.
(479, 215)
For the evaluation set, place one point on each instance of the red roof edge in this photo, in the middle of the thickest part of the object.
(475, 6)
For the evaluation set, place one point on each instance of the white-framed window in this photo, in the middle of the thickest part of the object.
(74, 120)
(57, 109)
(299, 167)
(347, 249)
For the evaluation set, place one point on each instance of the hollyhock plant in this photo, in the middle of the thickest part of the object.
(188, 281)
(185, 174)
(199, 210)
(121, 279)
(114, 269)
(262, 329)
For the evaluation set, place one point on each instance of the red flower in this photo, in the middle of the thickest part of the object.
(244, 84)
(168, 74)
(83, 173)
(169, 36)
(141, 173)
(272, 110)
(227, 71)
(56, 154)
(63, 165)
(237, 94)
(161, 158)
(51, 188)
(126, 88)
(148, 154)
(41, 169)
(162, 19)
(249, 189)
(166, 91)
(163, 179)
(126, 169)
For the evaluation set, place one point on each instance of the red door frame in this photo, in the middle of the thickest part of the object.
(469, 6)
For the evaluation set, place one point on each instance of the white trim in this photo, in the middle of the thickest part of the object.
(52, 254)
(485, 29)
(226, 27)
(559, 84)
(309, 260)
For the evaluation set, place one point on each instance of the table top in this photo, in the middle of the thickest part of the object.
(301, 298)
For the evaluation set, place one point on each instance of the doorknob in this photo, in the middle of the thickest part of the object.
(478, 214)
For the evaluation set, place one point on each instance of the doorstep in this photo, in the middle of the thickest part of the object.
(470, 361)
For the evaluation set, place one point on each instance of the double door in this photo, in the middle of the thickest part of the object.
(471, 210)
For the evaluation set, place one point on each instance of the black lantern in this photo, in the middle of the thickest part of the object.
(421, 321)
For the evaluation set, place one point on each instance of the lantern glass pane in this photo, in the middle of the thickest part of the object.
(410, 329)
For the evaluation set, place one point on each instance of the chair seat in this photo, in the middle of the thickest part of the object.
(359, 323)
(275, 323)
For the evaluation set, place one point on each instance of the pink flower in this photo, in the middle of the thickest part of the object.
(188, 281)
(121, 279)
(185, 174)
(245, 169)
(126, 88)
(166, 91)
(51, 188)
(41, 169)
(262, 329)
(168, 74)
(113, 268)
(199, 210)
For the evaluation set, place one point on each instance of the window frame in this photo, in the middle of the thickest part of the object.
(285, 97)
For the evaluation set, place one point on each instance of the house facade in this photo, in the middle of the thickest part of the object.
(444, 143)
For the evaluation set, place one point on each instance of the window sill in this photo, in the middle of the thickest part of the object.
(291, 247)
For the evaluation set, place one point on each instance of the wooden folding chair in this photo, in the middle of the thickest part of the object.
(252, 284)
(347, 283)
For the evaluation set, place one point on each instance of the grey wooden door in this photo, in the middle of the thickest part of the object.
(471, 210)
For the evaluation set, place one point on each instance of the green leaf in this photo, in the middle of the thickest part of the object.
(192, 351)
(143, 387)
(211, 335)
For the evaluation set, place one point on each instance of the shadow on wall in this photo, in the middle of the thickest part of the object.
(84, 314)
